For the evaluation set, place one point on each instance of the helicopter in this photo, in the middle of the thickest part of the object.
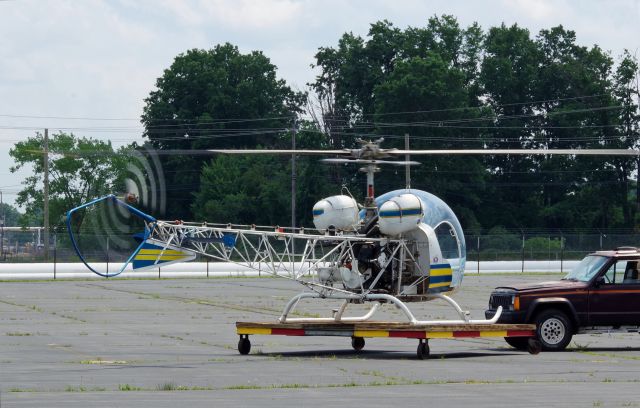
(403, 246)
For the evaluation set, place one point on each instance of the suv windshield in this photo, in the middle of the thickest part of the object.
(587, 268)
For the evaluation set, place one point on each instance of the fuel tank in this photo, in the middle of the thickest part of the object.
(339, 212)
(400, 214)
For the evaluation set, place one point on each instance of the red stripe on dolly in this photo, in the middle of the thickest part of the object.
(288, 332)
(521, 333)
(475, 333)
(408, 334)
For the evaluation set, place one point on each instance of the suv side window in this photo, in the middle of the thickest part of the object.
(622, 272)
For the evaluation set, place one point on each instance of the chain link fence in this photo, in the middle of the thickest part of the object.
(543, 247)
(28, 247)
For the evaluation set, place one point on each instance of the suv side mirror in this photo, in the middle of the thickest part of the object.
(599, 281)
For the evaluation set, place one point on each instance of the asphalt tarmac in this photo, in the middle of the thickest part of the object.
(170, 342)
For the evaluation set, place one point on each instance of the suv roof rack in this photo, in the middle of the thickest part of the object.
(627, 249)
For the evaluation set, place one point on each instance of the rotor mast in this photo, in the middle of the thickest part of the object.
(369, 202)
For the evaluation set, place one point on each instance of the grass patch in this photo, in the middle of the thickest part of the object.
(580, 346)
(128, 387)
(17, 389)
(168, 386)
(77, 319)
(99, 361)
(610, 355)
(171, 386)
(244, 387)
(18, 334)
(71, 388)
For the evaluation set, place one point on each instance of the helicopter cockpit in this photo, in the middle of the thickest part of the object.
(432, 258)
(448, 232)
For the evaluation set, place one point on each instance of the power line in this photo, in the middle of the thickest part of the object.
(488, 106)
(237, 120)
(88, 118)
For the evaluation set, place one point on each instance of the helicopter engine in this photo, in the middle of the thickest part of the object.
(356, 272)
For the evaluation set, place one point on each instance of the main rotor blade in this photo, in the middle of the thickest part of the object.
(364, 161)
(583, 152)
(277, 151)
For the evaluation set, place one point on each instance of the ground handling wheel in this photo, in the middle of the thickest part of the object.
(244, 345)
(357, 343)
(423, 349)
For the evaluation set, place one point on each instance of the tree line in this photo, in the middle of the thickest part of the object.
(447, 86)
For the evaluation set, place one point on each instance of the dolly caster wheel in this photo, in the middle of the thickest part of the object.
(423, 350)
(244, 345)
(534, 346)
(357, 343)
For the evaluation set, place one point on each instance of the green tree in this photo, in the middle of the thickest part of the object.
(431, 84)
(448, 87)
(454, 87)
(626, 94)
(542, 247)
(508, 76)
(80, 169)
(218, 98)
(244, 190)
(11, 215)
(584, 101)
(431, 74)
(257, 189)
(499, 239)
(548, 92)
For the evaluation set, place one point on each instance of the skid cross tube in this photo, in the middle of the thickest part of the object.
(337, 318)
(379, 298)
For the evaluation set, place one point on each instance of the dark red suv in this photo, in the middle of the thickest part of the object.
(602, 294)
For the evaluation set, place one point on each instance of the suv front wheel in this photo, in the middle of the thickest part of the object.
(553, 329)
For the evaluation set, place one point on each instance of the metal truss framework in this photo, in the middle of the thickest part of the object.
(272, 251)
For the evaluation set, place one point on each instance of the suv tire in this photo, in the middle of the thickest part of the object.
(520, 343)
(553, 329)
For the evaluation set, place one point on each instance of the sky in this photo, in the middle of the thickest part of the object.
(66, 63)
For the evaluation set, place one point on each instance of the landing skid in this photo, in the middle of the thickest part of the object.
(378, 299)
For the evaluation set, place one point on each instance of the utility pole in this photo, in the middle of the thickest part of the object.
(638, 187)
(46, 194)
(293, 175)
(407, 171)
(293, 189)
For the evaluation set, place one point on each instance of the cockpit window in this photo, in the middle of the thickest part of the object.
(587, 268)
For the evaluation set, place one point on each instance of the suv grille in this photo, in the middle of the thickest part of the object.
(499, 299)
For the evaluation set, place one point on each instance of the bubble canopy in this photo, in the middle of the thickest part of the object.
(439, 216)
